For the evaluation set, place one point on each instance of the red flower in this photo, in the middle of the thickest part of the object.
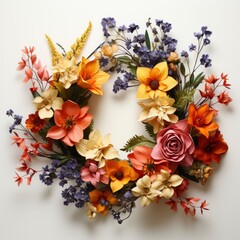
(210, 149)
(70, 123)
(224, 98)
(34, 123)
(212, 79)
(208, 93)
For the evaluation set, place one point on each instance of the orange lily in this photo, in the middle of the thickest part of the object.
(210, 149)
(154, 82)
(102, 200)
(201, 118)
(119, 173)
(91, 77)
(70, 123)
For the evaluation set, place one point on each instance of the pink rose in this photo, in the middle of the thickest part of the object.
(175, 145)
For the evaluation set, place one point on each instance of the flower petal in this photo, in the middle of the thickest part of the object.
(143, 74)
(56, 132)
(142, 93)
(168, 192)
(163, 68)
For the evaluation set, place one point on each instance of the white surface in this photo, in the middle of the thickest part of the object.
(37, 212)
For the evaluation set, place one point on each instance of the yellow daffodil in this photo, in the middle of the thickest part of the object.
(67, 71)
(157, 112)
(91, 77)
(47, 103)
(166, 182)
(97, 148)
(154, 82)
(147, 190)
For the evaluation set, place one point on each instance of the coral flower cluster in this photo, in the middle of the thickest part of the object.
(178, 108)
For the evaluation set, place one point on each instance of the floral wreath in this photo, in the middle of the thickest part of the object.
(178, 109)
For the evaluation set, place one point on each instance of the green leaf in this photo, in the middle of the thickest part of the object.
(124, 59)
(199, 78)
(147, 40)
(191, 79)
(149, 129)
(137, 141)
(182, 69)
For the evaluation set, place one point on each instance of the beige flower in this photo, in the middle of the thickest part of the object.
(108, 50)
(91, 211)
(47, 103)
(67, 71)
(158, 111)
(166, 182)
(97, 148)
(147, 190)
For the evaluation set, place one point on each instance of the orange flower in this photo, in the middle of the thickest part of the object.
(34, 123)
(91, 77)
(119, 173)
(201, 119)
(154, 82)
(102, 201)
(70, 123)
(210, 149)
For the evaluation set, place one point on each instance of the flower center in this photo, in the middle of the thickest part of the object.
(154, 84)
(69, 123)
(119, 175)
(149, 167)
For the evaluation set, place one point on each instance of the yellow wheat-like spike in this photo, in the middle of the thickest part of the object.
(79, 43)
(55, 54)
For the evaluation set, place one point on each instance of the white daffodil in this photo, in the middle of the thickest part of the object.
(97, 148)
(91, 211)
(167, 182)
(147, 190)
(67, 71)
(158, 111)
(47, 103)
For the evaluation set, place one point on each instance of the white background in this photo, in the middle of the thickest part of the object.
(37, 212)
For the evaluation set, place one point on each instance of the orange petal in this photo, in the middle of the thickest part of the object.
(84, 122)
(208, 117)
(59, 117)
(96, 89)
(203, 109)
(68, 141)
(71, 108)
(75, 134)
(143, 74)
(91, 67)
(163, 68)
(212, 127)
(83, 111)
(56, 132)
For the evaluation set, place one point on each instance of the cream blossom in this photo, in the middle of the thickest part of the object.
(147, 190)
(91, 211)
(67, 71)
(47, 103)
(158, 111)
(166, 183)
(97, 148)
